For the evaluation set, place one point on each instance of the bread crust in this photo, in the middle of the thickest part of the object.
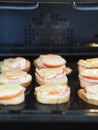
(37, 63)
(27, 68)
(45, 100)
(84, 98)
(26, 84)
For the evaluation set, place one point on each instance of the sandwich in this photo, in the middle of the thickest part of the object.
(17, 63)
(16, 76)
(88, 77)
(50, 61)
(11, 94)
(89, 94)
(51, 75)
(90, 63)
(52, 93)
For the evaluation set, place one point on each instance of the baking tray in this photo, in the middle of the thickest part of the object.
(75, 110)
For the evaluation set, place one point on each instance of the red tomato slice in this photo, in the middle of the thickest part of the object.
(91, 77)
(11, 96)
(52, 66)
(12, 78)
(54, 92)
(58, 92)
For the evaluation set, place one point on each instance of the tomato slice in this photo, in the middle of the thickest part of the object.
(50, 60)
(54, 92)
(91, 77)
(11, 96)
(52, 66)
(12, 78)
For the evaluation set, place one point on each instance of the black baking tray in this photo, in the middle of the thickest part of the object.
(75, 110)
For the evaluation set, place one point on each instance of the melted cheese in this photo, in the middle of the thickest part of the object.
(45, 90)
(89, 72)
(17, 63)
(10, 89)
(91, 62)
(48, 73)
(92, 92)
(52, 59)
(15, 76)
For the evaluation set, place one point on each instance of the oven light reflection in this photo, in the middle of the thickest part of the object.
(94, 45)
(93, 112)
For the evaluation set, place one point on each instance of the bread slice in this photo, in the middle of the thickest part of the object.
(11, 94)
(17, 63)
(90, 63)
(88, 77)
(89, 94)
(50, 61)
(16, 76)
(51, 75)
(52, 93)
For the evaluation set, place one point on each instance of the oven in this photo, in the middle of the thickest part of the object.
(65, 27)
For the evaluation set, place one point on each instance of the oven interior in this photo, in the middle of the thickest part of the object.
(50, 27)
(49, 24)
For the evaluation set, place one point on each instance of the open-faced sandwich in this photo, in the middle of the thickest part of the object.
(88, 77)
(11, 94)
(90, 63)
(16, 76)
(17, 63)
(89, 94)
(52, 93)
(51, 61)
(51, 75)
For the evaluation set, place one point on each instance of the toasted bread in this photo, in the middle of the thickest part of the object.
(50, 61)
(51, 75)
(88, 77)
(89, 94)
(90, 63)
(16, 76)
(17, 63)
(52, 93)
(11, 94)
